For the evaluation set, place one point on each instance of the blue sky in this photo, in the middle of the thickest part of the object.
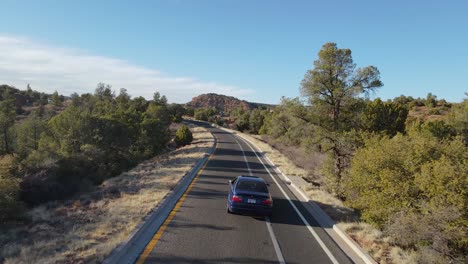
(255, 50)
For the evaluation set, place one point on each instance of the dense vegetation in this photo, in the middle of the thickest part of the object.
(183, 136)
(402, 163)
(51, 155)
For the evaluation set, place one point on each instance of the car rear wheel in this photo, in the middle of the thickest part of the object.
(228, 211)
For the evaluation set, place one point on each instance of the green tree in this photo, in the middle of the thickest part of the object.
(9, 190)
(183, 136)
(154, 136)
(204, 114)
(380, 181)
(123, 98)
(160, 112)
(28, 133)
(289, 122)
(158, 99)
(7, 119)
(404, 182)
(334, 83)
(95, 138)
(256, 120)
(390, 174)
(43, 99)
(267, 123)
(66, 132)
(200, 114)
(431, 100)
(386, 117)
(176, 112)
(241, 117)
(104, 91)
(56, 99)
(332, 89)
(139, 104)
(439, 129)
(403, 100)
(458, 118)
(29, 91)
(75, 97)
(189, 111)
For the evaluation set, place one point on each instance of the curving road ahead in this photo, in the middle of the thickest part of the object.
(202, 232)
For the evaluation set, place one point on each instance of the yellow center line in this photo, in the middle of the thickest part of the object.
(168, 220)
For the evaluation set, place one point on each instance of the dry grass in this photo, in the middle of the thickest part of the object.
(333, 206)
(86, 229)
(377, 244)
(368, 237)
(280, 160)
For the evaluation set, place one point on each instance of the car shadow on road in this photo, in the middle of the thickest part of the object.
(284, 213)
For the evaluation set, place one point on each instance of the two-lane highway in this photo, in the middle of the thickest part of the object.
(201, 231)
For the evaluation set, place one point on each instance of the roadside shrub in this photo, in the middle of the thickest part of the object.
(439, 129)
(458, 118)
(9, 190)
(416, 185)
(189, 111)
(256, 121)
(204, 114)
(200, 115)
(41, 186)
(220, 122)
(432, 227)
(183, 136)
(386, 117)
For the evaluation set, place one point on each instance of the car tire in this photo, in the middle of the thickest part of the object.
(228, 211)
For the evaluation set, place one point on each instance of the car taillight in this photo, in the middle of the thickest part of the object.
(236, 199)
(267, 201)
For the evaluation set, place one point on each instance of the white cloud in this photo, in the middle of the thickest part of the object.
(47, 68)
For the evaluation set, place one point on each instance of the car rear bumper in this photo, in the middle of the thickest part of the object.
(250, 209)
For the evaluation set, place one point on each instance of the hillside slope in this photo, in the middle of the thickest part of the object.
(222, 102)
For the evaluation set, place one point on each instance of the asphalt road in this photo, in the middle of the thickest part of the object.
(201, 231)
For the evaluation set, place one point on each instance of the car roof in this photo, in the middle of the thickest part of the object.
(250, 178)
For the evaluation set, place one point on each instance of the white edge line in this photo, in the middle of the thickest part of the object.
(311, 230)
(335, 227)
(279, 254)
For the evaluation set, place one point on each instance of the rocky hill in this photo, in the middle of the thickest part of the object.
(222, 102)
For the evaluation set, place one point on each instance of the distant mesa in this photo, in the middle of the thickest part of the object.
(222, 103)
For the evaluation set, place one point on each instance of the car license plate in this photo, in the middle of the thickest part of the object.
(251, 201)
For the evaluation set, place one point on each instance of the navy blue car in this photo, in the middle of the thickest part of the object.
(249, 194)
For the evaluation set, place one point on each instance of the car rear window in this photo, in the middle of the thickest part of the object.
(252, 186)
